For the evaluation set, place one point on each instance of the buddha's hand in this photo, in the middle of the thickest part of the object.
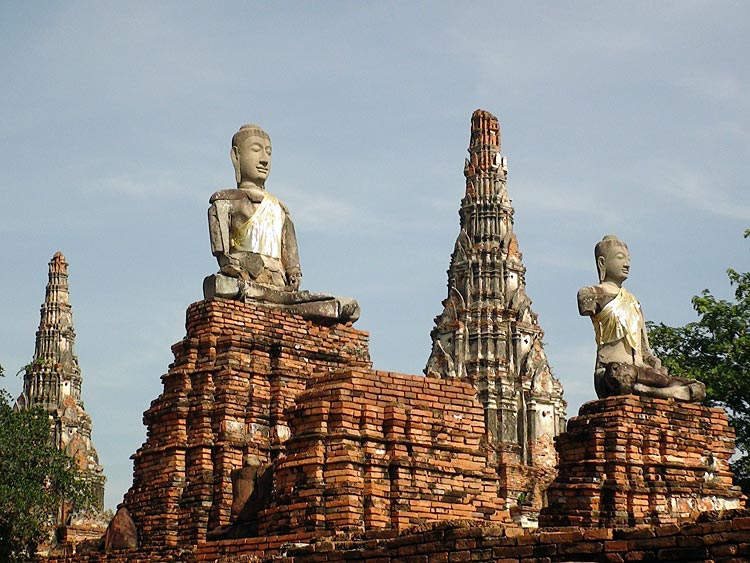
(294, 281)
(655, 363)
(234, 270)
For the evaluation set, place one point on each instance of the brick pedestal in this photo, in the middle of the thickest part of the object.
(629, 460)
(238, 369)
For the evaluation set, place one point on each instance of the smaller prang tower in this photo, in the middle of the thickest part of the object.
(52, 381)
(489, 335)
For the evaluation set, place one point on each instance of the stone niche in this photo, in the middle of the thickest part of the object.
(628, 461)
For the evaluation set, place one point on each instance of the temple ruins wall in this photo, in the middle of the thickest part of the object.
(715, 539)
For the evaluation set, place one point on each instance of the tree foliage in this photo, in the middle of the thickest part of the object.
(36, 480)
(716, 350)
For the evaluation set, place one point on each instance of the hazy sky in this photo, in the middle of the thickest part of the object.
(115, 126)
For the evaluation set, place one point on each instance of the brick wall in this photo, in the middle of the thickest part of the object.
(375, 450)
(717, 539)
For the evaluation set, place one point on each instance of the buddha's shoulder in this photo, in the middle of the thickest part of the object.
(599, 289)
(600, 293)
(223, 195)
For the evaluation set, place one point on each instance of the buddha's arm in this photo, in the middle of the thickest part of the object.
(290, 254)
(587, 301)
(219, 221)
(218, 226)
(648, 356)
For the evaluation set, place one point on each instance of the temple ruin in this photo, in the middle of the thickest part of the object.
(289, 410)
(275, 439)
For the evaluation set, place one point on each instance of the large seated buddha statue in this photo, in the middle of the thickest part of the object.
(624, 361)
(253, 239)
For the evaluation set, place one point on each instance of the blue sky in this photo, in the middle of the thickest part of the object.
(116, 119)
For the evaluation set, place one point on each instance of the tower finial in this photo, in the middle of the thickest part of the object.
(58, 265)
(484, 145)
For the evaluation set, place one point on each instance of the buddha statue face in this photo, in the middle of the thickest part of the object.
(612, 260)
(251, 156)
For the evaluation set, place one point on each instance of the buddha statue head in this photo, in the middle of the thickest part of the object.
(612, 260)
(251, 156)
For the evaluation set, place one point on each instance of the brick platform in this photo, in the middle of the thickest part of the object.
(722, 541)
(630, 460)
(351, 448)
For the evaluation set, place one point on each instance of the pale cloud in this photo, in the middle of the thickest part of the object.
(733, 130)
(717, 85)
(566, 200)
(132, 32)
(443, 203)
(320, 212)
(692, 187)
(572, 42)
(158, 185)
(555, 260)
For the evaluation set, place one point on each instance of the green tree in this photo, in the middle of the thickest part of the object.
(716, 350)
(36, 480)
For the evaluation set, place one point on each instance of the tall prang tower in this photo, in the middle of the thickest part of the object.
(52, 381)
(489, 335)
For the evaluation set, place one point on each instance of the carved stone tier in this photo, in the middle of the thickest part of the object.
(378, 450)
(238, 369)
(628, 460)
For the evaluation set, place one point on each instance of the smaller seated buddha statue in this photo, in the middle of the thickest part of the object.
(253, 239)
(624, 361)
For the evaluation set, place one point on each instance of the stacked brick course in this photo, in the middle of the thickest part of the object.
(631, 460)
(368, 449)
(375, 450)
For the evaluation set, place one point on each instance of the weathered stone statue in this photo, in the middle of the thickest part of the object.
(253, 239)
(624, 361)
(252, 234)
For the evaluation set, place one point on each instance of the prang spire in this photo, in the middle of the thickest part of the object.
(56, 337)
(52, 381)
(487, 333)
